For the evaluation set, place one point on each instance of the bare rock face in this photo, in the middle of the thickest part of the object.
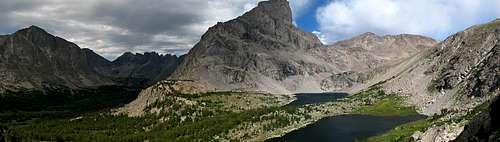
(263, 51)
(470, 57)
(455, 71)
(32, 58)
(457, 75)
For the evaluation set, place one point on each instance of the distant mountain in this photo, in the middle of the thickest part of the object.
(143, 69)
(33, 59)
(263, 51)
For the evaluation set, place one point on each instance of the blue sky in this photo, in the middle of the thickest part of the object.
(307, 20)
(112, 27)
(334, 20)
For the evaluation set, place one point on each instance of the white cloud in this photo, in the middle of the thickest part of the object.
(299, 6)
(342, 19)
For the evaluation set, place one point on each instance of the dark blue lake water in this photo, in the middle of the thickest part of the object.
(344, 128)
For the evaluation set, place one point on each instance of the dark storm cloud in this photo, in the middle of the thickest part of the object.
(150, 16)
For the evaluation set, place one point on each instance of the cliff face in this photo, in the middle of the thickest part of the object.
(469, 59)
(263, 51)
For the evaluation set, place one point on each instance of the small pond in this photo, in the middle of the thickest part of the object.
(314, 98)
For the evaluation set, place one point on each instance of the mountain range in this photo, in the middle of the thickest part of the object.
(262, 51)
(33, 59)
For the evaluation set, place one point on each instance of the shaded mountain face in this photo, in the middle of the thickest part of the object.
(143, 69)
(263, 51)
(33, 59)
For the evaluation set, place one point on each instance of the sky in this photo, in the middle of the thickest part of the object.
(112, 27)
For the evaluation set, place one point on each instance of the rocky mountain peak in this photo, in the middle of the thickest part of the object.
(278, 10)
(129, 56)
(36, 35)
(33, 31)
(269, 22)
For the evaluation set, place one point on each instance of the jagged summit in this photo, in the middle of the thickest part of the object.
(33, 31)
(34, 27)
(36, 35)
(269, 20)
(130, 55)
(278, 10)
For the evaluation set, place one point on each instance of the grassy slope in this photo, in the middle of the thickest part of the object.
(381, 103)
(402, 132)
(389, 105)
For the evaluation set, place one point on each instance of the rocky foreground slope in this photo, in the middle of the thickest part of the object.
(463, 67)
(484, 127)
(453, 79)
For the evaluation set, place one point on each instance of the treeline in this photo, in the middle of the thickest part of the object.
(100, 127)
(66, 99)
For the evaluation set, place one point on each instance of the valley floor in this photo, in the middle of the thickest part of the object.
(220, 116)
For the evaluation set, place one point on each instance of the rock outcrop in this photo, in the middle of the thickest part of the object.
(263, 51)
(484, 127)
